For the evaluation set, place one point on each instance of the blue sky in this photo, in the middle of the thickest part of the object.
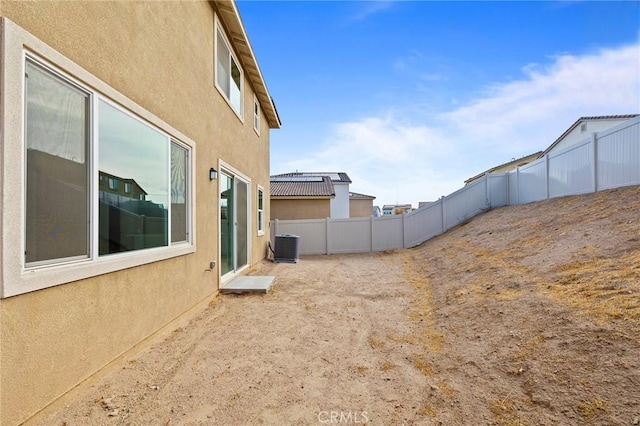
(410, 98)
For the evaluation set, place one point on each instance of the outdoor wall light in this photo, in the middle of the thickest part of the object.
(213, 174)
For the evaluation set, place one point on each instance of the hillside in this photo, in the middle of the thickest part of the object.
(526, 315)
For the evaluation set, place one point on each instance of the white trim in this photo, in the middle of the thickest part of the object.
(16, 45)
(224, 167)
(257, 122)
(258, 210)
(219, 29)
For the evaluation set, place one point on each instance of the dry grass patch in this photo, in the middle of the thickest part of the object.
(375, 343)
(590, 410)
(603, 288)
(422, 365)
(506, 412)
(387, 366)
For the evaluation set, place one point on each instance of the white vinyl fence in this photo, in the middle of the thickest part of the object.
(608, 159)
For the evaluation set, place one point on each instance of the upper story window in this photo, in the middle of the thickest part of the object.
(256, 115)
(229, 76)
(260, 211)
(94, 183)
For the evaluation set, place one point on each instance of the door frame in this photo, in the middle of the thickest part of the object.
(227, 169)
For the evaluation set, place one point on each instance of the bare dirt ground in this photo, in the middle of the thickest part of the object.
(525, 315)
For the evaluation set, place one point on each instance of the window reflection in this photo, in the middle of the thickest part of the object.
(132, 156)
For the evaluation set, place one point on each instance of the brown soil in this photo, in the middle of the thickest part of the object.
(526, 315)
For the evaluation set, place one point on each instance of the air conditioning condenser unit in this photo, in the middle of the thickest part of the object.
(287, 248)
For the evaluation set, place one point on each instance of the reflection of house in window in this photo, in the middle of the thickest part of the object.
(128, 221)
(121, 186)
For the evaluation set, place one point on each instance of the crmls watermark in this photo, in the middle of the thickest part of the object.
(342, 417)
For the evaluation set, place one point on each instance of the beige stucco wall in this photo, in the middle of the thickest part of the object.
(360, 208)
(159, 55)
(294, 209)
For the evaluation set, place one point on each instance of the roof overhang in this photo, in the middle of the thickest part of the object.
(230, 17)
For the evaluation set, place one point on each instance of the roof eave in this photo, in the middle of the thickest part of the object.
(233, 24)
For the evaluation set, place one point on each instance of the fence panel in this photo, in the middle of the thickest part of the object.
(349, 235)
(571, 170)
(619, 157)
(465, 203)
(615, 159)
(532, 181)
(498, 185)
(387, 233)
(422, 224)
(312, 233)
(513, 187)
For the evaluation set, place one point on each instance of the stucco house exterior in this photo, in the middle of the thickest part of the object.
(583, 128)
(393, 209)
(505, 167)
(360, 205)
(315, 195)
(167, 100)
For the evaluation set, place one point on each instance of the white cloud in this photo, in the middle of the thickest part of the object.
(368, 8)
(409, 160)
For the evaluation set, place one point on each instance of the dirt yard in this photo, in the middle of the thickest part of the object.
(525, 315)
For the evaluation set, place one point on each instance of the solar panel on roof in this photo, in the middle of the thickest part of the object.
(298, 179)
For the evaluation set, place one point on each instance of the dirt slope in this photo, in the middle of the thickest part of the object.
(526, 315)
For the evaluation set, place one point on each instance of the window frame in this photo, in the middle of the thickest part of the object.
(256, 115)
(18, 46)
(260, 210)
(217, 32)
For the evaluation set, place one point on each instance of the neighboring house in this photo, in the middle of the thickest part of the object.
(583, 128)
(135, 180)
(502, 168)
(310, 195)
(377, 211)
(360, 205)
(127, 188)
(392, 209)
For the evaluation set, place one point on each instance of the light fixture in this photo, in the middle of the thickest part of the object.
(213, 174)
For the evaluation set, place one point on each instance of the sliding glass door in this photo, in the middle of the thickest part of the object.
(234, 223)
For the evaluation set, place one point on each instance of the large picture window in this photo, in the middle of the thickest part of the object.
(228, 73)
(92, 182)
(142, 175)
(132, 152)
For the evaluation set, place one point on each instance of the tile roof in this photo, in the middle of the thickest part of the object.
(301, 187)
(515, 162)
(338, 177)
(355, 195)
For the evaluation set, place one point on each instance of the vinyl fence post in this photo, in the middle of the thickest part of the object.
(546, 166)
(442, 212)
(327, 239)
(517, 186)
(404, 245)
(371, 234)
(594, 166)
(487, 190)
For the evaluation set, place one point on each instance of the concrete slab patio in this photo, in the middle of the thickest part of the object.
(248, 284)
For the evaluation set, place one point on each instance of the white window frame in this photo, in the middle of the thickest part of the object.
(260, 210)
(16, 45)
(219, 32)
(256, 115)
